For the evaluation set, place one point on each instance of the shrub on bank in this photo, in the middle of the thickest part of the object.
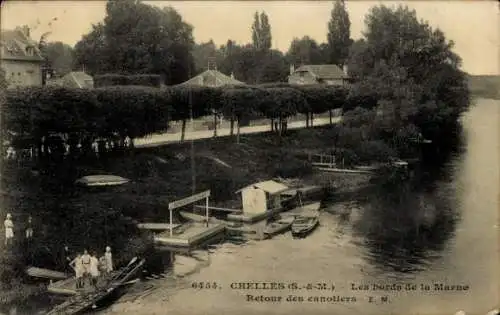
(152, 80)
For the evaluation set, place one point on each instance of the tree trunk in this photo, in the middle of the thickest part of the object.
(183, 130)
(232, 126)
(307, 120)
(272, 124)
(238, 131)
(331, 118)
(215, 125)
(280, 124)
(312, 119)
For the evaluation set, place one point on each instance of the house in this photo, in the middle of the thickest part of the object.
(74, 79)
(212, 78)
(319, 74)
(20, 58)
(261, 197)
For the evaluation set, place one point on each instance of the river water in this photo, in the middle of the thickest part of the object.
(445, 232)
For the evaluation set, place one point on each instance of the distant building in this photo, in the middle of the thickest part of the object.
(319, 74)
(261, 197)
(212, 78)
(20, 58)
(74, 79)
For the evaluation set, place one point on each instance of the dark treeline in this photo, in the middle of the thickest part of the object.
(115, 113)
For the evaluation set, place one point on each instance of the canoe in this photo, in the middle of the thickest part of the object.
(45, 273)
(86, 301)
(304, 225)
(277, 227)
(101, 180)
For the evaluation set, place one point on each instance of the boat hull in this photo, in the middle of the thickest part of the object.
(280, 228)
(303, 232)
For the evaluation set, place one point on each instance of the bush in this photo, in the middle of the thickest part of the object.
(152, 80)
(375, 151)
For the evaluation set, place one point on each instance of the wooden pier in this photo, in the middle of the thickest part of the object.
(192, 236)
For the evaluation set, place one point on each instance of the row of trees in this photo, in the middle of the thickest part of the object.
(118, 112)
(137, 38)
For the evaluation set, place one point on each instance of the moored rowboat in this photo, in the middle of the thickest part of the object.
(278, 227)
(304, 225)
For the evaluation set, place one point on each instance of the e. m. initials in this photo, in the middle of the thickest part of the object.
(381, 299)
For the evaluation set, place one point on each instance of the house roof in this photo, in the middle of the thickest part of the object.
(14, 44)
(323, 71)
(269, 186)
(75, 79)
(212, 78)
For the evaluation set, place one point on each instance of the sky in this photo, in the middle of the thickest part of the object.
(474, 26)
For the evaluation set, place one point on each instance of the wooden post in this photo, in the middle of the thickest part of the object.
(171, 232)
(206, 209)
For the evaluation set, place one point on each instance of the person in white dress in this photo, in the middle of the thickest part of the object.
(86, 264)
(109, 259)
(9, 229)
(94, 269)
(77, 266)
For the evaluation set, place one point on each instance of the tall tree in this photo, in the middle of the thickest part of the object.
(203, 52)
(411, 69)
(261, 32)
(339, 34)
(265, 29)
(91, 52)
(305, 51)
(139, 38)
(256, 33)
(59, 56)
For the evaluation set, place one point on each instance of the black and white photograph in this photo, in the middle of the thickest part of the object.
(249, 157)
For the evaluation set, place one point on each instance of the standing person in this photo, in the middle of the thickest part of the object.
(102, 264)
(109, 259)
(86, 264)
(9, 229)
(29, 229)
(77, 266)
(94, 269)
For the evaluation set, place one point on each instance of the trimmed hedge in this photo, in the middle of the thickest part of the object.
(105, 80)
(136, 111)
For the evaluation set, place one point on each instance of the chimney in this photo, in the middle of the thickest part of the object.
(292, 69)
(344, 68)
(232, 75)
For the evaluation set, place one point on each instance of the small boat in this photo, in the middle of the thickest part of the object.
(304, 225)
(84, 302)
(278, 227)
(101, 180)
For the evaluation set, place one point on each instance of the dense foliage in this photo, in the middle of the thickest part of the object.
(339, 34)
(138, 38)
(408, 73)
(115, 113)
(118, 79)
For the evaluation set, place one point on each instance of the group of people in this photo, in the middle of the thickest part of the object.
(9, 229)
(87, 266)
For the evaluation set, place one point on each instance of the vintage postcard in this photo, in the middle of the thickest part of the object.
(249, 157)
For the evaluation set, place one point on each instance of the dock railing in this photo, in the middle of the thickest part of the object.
(323, 160)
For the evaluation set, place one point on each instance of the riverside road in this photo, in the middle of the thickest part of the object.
(165, 138)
